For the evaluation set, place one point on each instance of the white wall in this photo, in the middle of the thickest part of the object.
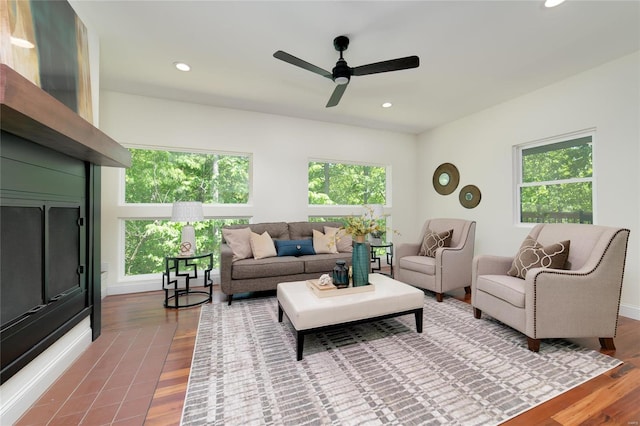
(280, 147)
(606, 98)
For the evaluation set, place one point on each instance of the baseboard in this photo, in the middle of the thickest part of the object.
(23, 389)
(148, 283)
(630, 311)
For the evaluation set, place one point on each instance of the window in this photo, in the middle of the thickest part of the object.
(158, 177)
(162, 177)
(147, 242)
(346, 184)
(555, 181)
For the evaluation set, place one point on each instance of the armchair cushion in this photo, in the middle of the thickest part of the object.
(433, 241)
(533, 255)
(422, 264)
(504, 287)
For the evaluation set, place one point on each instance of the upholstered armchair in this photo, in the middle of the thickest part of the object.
(450, 266)
(580, 299)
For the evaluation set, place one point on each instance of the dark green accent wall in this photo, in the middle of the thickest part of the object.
(67, 193)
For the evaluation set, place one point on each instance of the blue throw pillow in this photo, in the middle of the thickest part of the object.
(294, 247)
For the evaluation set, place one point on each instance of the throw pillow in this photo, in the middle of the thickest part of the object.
(262, 245)
(324, 243)
(344, 241)
(239, 239)
(294, 247)
(533, 255)
(433, 241)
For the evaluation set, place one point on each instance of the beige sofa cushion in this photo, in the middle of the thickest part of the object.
(262, 245)
(239, 240)
(344, 241)
(324, 243)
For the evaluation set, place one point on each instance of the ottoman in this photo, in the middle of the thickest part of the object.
(309, 313)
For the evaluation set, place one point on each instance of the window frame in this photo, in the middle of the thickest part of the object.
(344, 210)
(518, 172)
(162, 211)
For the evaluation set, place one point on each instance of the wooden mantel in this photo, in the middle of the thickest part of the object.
(31, 113)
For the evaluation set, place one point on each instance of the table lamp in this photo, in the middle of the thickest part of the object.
(187, 211)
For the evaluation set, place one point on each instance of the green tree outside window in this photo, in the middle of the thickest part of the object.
(556, 182)
(162, 177)
(346, 184)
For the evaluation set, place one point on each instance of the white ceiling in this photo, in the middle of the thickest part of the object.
(473, 54)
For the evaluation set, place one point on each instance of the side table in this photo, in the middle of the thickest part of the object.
(190, 265)
(375, 259)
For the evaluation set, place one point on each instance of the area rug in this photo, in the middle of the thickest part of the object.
(459, 371)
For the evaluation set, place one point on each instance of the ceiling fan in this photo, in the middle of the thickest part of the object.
(341, 73)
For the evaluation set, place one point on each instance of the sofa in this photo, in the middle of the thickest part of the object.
(249, 274)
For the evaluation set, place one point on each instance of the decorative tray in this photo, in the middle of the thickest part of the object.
(331, 290)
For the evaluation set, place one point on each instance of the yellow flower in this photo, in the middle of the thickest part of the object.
(364, 224)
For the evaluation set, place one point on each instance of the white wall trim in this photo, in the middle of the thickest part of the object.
(630, 311)
(133, 285)
(23, 389)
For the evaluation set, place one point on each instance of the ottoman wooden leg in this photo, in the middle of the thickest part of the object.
(279, 313)
(300, 346)
(419, 320)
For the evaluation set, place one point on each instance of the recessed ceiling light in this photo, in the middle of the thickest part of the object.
(182, 66)
(387, 105)
(553, 3)
(20, 42)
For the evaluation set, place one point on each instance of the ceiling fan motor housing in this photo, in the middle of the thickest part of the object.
(341, 72)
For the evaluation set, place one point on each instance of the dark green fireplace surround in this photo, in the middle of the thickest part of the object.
(50, 165)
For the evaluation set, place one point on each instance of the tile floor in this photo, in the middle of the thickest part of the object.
(111, 383)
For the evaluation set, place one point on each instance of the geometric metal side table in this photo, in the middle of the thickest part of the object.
(186, 297)
(375, 259)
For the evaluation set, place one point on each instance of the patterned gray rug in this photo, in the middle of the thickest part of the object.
(459, 371)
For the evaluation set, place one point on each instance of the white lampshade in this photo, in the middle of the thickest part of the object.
(187, 211)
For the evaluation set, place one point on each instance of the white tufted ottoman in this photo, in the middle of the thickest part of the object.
(311, 314)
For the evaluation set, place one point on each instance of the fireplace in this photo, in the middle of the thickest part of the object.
(50, 160)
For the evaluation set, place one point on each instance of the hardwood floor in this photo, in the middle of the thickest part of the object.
(611, 398)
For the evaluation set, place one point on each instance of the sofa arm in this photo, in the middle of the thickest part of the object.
(406, 249)
(226, 262)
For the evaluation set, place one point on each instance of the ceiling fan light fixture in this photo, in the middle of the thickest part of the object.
(341, 80)
(553, 3)
(182, 66)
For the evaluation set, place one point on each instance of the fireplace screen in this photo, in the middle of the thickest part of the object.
(41, 257)
(22, 234)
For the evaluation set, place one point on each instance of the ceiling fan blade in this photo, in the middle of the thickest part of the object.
(385, 66)
(336, 95)
(284, 56)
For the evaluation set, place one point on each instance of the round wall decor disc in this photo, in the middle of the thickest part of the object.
(470, 196)
(446, 178)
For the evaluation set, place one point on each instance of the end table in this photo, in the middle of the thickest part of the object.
(190, 265)
(375, 259)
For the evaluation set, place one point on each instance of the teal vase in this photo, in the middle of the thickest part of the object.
(360, 264)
